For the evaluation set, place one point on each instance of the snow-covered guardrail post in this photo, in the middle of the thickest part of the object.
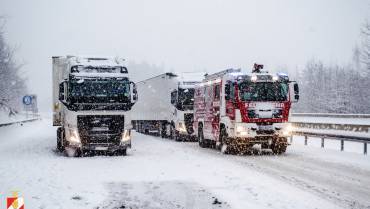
(365, 148)
(322, 142)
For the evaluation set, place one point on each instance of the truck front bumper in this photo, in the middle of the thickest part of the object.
(106, 146)
(266, 139)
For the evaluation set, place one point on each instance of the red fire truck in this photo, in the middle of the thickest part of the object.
(233, 111)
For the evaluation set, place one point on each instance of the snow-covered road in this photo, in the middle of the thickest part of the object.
(159, 173)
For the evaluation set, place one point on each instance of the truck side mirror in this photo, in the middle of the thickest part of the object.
(296, 92)
(133, 92)
(296, 88)
(63, 92)
(227, 91)
(173, 97)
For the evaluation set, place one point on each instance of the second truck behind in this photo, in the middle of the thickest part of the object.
(165, 106)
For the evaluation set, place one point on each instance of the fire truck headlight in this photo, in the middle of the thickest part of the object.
(241, 130)
(287, 131)
(126, 136)
(73, 136)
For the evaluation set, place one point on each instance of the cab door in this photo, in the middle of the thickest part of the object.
(216, 103)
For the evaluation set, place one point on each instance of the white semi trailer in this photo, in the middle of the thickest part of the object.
(165, 106)
(92, 101)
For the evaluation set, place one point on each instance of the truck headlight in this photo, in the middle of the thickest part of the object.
(126, 135)
(241, 130)
(287, 130)
(73, 136)
(181, 127)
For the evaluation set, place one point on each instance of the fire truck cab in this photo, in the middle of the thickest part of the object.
(233, 111)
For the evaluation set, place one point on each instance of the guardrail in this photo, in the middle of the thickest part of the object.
(333, 130)
(29, 118)
(331, 115)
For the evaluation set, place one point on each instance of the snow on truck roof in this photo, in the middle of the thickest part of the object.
(93, 60)
(184, 78)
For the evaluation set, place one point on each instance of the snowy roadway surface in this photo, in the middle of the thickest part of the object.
(160, 173)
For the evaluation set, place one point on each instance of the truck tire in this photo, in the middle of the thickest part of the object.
(222, 145)
(60, 136)
(201, 140)
(278, 148)
(162, 131)
(122, 152)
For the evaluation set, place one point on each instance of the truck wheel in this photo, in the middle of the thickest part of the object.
(60, 134)
(201, 140)
(122, 152)
(222, 145)
(278, 148)
(162, 130)
(168, 130)
(177, 136)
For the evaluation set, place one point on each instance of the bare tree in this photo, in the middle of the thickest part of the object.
(12, 85)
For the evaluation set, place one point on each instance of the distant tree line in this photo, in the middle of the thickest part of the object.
(335, 88)
(12, 85)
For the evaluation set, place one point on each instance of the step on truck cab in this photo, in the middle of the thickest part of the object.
(165, 106)
(92, 101)
(233, 111)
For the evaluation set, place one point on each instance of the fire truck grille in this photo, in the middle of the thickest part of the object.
(189, 119)
(100, 129)
(265, 132)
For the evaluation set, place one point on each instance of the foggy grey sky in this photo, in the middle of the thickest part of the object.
(186, 35)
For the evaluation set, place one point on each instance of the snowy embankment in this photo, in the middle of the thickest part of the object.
(159, 173)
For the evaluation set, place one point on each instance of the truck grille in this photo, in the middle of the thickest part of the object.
(100, 129)
(189, 119)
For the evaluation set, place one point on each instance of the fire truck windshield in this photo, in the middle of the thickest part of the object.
(263, 91)
(185, 99)
(99, 91)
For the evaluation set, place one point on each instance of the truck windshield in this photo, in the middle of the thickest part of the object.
(263, 91)
(99, 91)
(185, 99)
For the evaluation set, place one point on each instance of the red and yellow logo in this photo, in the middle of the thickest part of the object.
(15, 202)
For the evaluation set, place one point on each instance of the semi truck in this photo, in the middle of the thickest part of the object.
(92, 101)
(165, 106)
(234, 111)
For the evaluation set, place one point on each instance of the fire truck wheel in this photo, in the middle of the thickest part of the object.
(201, 140)
(222, 145)
(278, 148)
(60, 134)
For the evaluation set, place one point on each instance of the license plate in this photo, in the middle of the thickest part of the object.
(265, 128)
(101, 148)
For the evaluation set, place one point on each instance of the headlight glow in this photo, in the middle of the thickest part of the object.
(73, 136)
(126, 135)
(240, 128)
(181, 127)
(287, 131)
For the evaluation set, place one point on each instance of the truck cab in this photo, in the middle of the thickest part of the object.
(182, 100)
(234, 111)
(92, 99)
